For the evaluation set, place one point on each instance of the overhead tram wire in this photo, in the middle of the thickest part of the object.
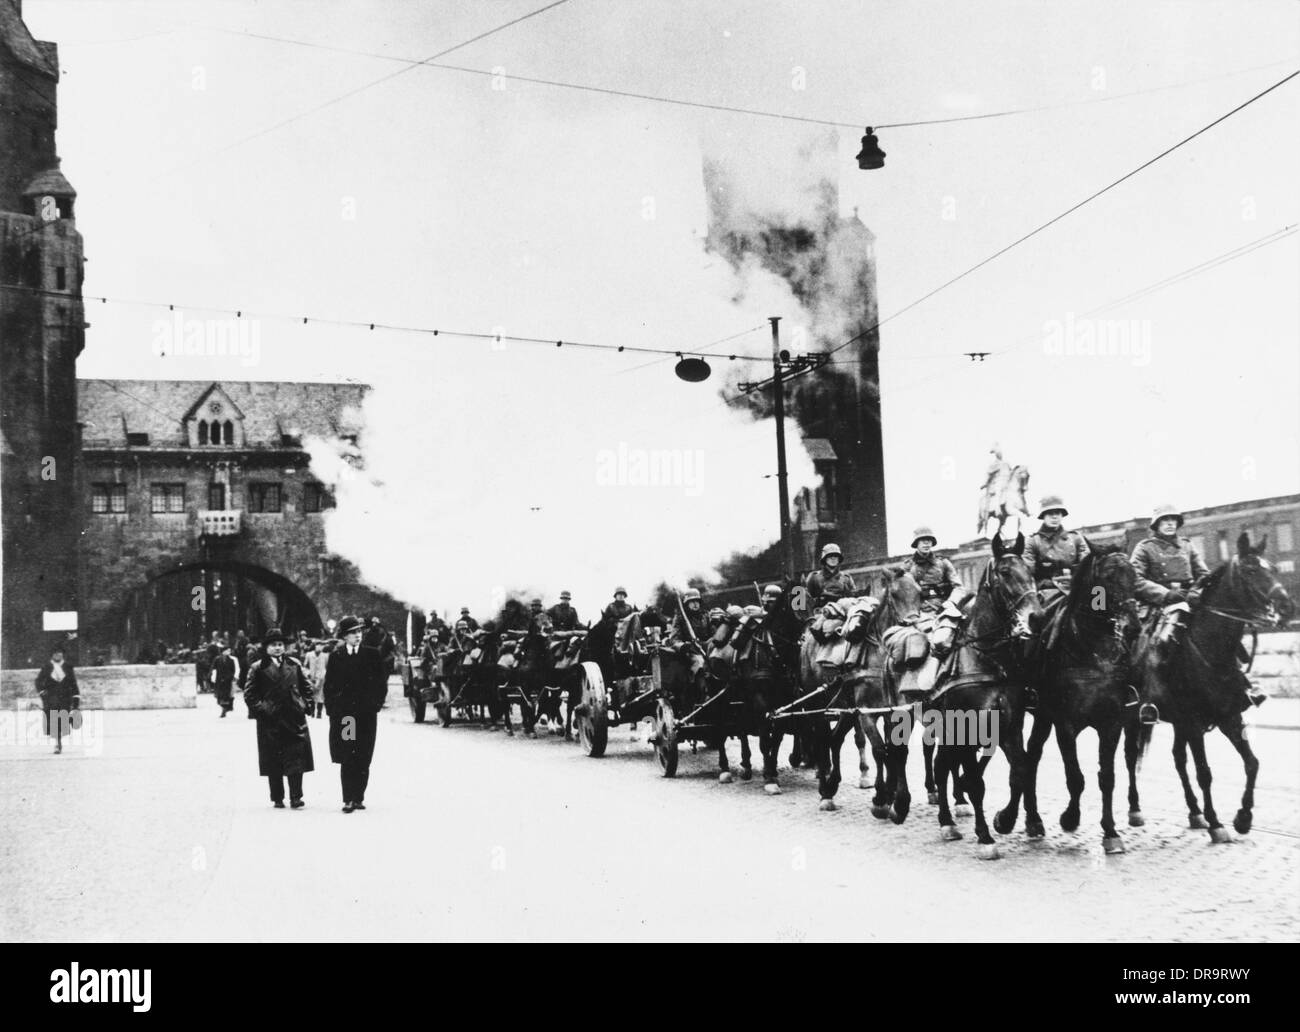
(362, 88)
(370, 325)
(754, 112)
(1191, 272)
(1057, 218)
(1151, 288)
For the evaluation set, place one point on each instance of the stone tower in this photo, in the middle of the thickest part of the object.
(794, 230)
(42, 331)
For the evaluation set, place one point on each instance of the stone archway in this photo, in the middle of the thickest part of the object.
(188, 602)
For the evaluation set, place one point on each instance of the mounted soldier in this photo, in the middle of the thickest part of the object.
(830, 582)
(1168, 569)
(691, 623)
(563, 616)
(619, 608)
(539, 621)
(941, 591)
(464, 615)
(1052, 550)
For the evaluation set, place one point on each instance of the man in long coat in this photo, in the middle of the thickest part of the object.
(56, 683)
(355, 687)
(279, 697)
(224, 672)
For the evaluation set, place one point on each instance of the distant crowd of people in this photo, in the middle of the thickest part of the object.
(222, 664)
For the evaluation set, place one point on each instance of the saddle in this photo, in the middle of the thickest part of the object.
(838, 644)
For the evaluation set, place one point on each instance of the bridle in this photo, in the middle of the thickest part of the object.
(1001, 635)
(1264, 615)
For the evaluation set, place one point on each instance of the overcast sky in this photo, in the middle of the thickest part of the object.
(436, 199)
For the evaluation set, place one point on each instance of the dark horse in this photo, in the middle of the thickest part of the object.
(981, 700)
(532, 671)
(858, 697)
(1200, 684)
(1079, 666)
(765, 677)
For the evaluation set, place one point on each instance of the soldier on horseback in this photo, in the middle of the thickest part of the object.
(539, 622)
(936, 575)
(563, 616)
(1168, 568)
(830, 582)
(619, 608)
(1052, 550)
(469, 620)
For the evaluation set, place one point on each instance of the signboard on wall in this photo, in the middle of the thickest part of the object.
(56, 620)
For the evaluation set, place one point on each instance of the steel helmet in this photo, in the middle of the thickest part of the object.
(1163, 511)
(1052, 503)
(828, 550)
(772, 591)
(716, 614)
(924, 532)
(689, 595)
(620, 591)
(565, 596)
(536, 603)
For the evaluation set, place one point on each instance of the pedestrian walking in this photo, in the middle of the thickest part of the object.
(278, 697)
(225, 671)
(314, 664)
(355, 687)
(56, 682)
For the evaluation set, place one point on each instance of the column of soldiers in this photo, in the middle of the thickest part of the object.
(1167, 564)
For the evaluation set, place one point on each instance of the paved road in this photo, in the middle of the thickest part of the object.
(154, 826)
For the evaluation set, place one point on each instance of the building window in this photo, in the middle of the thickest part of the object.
(1198, 544)
(203, 431)
(137, 440)
(216, 496)
(1282, 539)
(263, 497)
(106, 498)
(1225, 553)
(60, 278)
(167, 498)
(230, 431)
(315, 498)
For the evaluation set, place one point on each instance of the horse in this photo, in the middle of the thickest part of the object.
(1079, 666)
(1200, 685)
(564, 685)
(765, 675)
(862, 681)
(981, 683)
(531, 672)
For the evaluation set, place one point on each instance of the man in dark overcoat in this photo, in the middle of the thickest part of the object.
(355, 687)
(278, 696)
(225, 670)
(56, 683)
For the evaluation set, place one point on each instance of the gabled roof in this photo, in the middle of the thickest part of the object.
(214, 393)
(18, 41)
(110, 409)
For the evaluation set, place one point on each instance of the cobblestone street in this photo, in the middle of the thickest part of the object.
(153, 825)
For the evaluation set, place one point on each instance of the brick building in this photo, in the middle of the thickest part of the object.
(42, 331)
(201, 513)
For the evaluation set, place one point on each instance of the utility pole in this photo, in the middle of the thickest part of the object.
(782, 481)
(784, 369)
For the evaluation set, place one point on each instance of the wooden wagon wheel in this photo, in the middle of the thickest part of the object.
(593, 712)
(665, 737)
